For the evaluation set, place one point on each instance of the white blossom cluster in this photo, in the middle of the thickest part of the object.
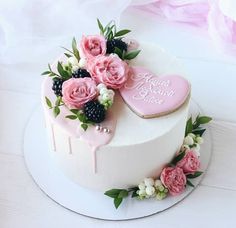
(192, 141)
(75, 64)
(106, 96)
(151, 188)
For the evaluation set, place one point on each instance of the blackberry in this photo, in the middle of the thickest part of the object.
(94, 111)
(81, 73)
(57, 86)
(111, 44)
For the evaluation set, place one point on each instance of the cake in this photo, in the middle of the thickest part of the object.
(115, 113)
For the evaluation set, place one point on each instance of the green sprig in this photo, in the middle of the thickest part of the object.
(195, 126)
(56, 106)
(110, 32)
(119, 194)
(79, 115)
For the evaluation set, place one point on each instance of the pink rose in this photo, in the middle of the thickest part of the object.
(174, 179)
(109, 70)
(92, 46)
(190, 162)
(78, 91)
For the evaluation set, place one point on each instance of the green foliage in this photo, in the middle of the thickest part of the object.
(119, 194)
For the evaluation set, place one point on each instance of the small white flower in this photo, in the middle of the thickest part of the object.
(184, 147)
(73, 61)
(103, 91)
(150, 190)
(197, 147)
(148, 181)
(199, 140)
(141, 192)
(75, 68)
(141, 186)
(188, 140)
(161, 196)
(82, 63)
(111, 92)
(192, 135)
(196, 150)
(157, 183)
(106, 96)
(161, 188)
(100, 86)
(100, 99)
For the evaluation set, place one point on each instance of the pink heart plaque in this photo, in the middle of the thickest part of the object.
(149, 95)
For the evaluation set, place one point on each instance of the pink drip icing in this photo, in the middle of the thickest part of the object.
(53, 138)
(96, 138)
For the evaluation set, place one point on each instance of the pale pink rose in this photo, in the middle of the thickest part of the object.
(190, 162)
(174, 179)
(78, 91)
(109, 70)
(92, 46)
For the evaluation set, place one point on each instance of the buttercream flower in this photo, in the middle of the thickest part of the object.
(174, 179)
(78, 91)
(109, 70)
(190, 162)
(92, 46)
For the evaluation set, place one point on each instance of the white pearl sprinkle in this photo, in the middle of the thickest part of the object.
(98, 127)
(106, 130)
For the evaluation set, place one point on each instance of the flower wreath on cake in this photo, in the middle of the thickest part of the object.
(86, 82)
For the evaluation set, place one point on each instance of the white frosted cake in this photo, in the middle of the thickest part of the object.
(115, 116)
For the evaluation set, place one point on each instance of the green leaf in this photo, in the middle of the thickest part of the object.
(178, 158)
(132, 54)
(190, 183)
(56, 111)
(58, 101)
(52, 74)
(49, 67)
(75, 50)
(204, 119)
(122, 32)
(196, 174)
(46, 72)
(117, 202)
(189, 126)
(48, 102)
(75, 111)
(62, 72)
(68, 50)
(84, 126)
(72, 117)
(100, 26)
(113, 193)
(134, 194)
(118, 52)
(82, 118)
(109, 34)
(108, 25)
(67, 55)
(124, 193)
(199, 132)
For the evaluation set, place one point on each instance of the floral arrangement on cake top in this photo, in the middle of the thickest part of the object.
(93, 70)
(176, 175)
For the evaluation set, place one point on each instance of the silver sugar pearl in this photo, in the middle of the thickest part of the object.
(106, 130)
(98, 128)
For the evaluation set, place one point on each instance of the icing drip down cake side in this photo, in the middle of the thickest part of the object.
(132, 142)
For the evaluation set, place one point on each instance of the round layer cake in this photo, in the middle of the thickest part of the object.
(138, 147)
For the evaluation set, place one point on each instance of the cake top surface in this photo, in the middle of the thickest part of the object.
(130, 128)
(84, 88)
